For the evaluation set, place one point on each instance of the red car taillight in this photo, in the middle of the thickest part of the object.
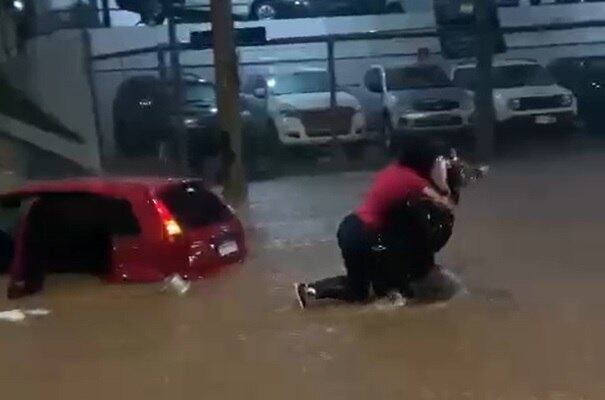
(171, 228)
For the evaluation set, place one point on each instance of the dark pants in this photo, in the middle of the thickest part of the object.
(394, 268)
(355, 242)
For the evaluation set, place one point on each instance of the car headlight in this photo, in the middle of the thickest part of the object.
(290, 113)
(514, 104)
(565, 100)
(190, 122)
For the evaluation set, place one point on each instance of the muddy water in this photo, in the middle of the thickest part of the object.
(529, 244)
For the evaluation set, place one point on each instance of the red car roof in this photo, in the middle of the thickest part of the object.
(107, 186)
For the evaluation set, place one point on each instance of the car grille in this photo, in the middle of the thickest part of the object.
(319, 123)
(436, 105)
(436, 121)
(539, 102)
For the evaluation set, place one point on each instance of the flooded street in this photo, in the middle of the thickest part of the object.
(528, 244)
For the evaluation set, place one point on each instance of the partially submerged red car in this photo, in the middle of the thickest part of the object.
(123, 229)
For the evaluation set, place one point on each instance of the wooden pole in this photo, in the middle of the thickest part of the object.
(227, 84)
(484, 102)
(181, 140)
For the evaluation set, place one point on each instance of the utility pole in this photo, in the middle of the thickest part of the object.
(180, 138)
(338, 155)
(106, 14)
(227, 84)
(484, 102)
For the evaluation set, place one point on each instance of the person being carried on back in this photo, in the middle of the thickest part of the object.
(418, 173)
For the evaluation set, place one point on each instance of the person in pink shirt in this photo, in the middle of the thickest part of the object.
(418, 173)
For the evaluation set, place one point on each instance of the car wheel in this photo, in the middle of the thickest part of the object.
(388, 134)
(271, 162)
(355, 151)
(264, 10)
(395, 8)
(126, 139)
(6, 251)
(535, 2)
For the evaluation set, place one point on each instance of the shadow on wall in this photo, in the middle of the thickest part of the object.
(21, 161)
(14, 104)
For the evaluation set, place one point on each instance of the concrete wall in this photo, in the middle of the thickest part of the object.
(8, 35)
(53, 73)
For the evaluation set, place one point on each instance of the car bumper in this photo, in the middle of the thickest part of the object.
(292, 132)
(540, 120)
(452, 121)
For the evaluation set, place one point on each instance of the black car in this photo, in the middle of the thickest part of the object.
(585, 77)
(199, 116)
(145, 115)
(141, 115)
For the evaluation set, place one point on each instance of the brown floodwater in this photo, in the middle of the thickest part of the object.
(528, 244)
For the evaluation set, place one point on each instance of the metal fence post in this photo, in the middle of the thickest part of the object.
(484, 102)
(337, 149)
(227, 84)
(106, 14)
(181, 141)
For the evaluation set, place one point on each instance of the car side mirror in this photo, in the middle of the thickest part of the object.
(260, 93)
(373, 81)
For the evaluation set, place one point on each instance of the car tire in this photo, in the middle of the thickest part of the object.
(263, 10)
(274, 158)
(355, 151)
(126, 139)
(6, 251)
(388, 135)
(535, 2)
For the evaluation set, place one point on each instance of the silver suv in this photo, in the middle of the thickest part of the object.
(419, 98)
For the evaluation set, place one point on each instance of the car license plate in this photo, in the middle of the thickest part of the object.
(228, 248)
(545, 119)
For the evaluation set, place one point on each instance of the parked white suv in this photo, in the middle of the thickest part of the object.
(524, 94)
(297, 108)
(419, 98)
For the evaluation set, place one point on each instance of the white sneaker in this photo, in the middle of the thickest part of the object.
(396, 298)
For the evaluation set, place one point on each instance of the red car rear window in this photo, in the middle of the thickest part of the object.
(194, 206)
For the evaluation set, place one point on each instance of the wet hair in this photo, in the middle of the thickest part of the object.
(419, 153)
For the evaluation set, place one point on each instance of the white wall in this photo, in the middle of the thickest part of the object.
(53, 73)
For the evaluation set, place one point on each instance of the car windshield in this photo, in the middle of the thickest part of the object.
(199, 92)
(596, 67)
(508, 76)
(308, 82)
(417, 77)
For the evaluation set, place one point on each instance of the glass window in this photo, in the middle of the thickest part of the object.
(307, 82)
(194, 206)
(417, 77)
(200, 93)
